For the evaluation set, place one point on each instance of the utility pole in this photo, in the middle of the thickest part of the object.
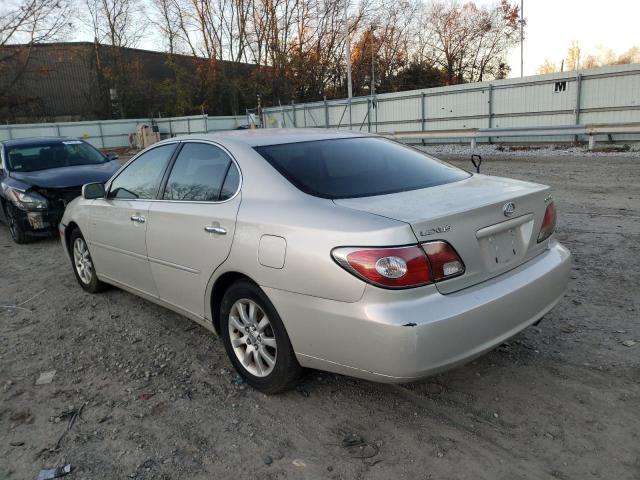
(521, 38)
(347, 53)
(373, 63)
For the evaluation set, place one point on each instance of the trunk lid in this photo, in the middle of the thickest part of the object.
(469, 215)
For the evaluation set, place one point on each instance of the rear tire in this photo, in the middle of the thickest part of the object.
(83, 264)
(255, 339)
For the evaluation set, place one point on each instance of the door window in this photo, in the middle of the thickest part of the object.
(202, 173)
(141, 179)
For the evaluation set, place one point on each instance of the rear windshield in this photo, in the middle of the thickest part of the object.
(357, 167)
(42, 156)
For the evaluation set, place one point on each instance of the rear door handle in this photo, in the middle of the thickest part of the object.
(137, 218)
(218, 230)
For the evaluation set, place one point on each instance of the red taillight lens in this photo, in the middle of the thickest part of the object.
(401, 267)
(548, 223)
(445, 262)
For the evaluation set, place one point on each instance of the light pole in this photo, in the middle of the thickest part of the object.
(373, 64)
(347, 52)
(521, 38)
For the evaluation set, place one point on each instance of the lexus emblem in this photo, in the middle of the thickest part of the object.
(509, 209)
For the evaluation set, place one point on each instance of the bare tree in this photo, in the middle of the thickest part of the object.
(117, 24)
(601, 57)
(22, 25)
(470, 42)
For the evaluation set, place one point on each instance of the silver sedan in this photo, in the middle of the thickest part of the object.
(338, 251)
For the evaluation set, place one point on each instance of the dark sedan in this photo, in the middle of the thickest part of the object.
(39, 176)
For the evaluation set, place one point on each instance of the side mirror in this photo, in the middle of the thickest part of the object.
(91, 191)
(112, 155)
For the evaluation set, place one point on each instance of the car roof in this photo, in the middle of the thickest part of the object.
(25, 142)
(274, 136)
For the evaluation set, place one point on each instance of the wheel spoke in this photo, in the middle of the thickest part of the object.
(258, 362)
(263, 323)
(269, 359)
(246, 358)
(243, 313)
(269, 342)
(237, 324)
(252, 313)
(237, 342)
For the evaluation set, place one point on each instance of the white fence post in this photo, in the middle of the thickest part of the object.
(326, 113)
(102, 142)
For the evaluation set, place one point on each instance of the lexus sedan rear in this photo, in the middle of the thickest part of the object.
(333, 250)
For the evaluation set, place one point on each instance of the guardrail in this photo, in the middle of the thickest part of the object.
(473, 134)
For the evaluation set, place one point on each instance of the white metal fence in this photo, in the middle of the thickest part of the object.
(601, 95)
(609, 95)
(115, 133)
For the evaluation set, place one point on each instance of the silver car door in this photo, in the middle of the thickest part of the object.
(191, 226)
(118, 223)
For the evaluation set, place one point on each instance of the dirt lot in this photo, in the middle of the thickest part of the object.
(159, 398)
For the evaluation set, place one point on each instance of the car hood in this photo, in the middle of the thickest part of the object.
(66, 177)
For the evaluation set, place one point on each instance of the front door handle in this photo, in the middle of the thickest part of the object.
(218, 230)
(137, 218)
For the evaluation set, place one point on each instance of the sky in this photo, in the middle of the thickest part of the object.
(551, 25)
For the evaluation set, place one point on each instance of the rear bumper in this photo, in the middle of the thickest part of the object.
(400, 336)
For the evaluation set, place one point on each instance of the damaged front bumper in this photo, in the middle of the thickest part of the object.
(40, 223)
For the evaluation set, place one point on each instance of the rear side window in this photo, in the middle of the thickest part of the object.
(357, 167)
(201, 173)
(141, 179)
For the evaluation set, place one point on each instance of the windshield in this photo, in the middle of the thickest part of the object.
(41, 156)
(357, 167)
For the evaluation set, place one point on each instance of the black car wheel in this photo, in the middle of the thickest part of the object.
(15, 227)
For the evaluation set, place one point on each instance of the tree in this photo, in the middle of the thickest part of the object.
(548, 66)
(27, 22)
(120, 25)
(601, 57)
(470, 43)
(573, 56)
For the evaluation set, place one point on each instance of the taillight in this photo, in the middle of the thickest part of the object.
(548, 223)
(445, 262)
(401, 267)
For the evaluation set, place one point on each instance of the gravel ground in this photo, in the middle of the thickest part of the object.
(141, 392)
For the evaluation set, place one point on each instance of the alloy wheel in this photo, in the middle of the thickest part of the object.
(252, 337)
(82, 261)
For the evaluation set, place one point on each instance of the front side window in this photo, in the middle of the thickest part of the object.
(52, 154)
(201, 173)
(141, 179)
(357, 167)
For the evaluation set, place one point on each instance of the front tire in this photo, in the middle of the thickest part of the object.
(255, 339)
(15, 228)
(83, 264)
